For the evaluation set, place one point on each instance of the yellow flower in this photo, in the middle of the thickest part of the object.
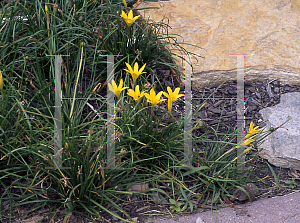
(116, 90)
(172, 96)
(129, 19)
(248, 141)
(125, 4)
(252, 131)
(135, 73)
(136, 94)
(1, 81)
(153, 98)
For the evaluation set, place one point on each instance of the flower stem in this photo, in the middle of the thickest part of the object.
(80, 64)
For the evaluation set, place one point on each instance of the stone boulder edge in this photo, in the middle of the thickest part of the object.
(269, 30)
(282, 147)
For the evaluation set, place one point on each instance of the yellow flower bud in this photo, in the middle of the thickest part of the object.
(1, 81)
(46, 9)
(125, 4)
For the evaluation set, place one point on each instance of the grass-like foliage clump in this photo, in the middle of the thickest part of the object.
(74, 170)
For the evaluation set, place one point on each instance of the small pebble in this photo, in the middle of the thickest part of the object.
(276, 90)
(232, 91)
(199, 220)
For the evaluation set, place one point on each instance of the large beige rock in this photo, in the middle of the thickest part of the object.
(269, 30)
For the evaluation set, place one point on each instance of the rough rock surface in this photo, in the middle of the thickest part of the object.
(267, 30)
(282, 147)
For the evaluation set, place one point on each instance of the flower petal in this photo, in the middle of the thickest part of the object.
(114, 84)
(136, 67)
(110, 87)
(152, 93)
(176, 92)
(120, 84)
(130, 92)
(123, 15)
(169, 105)
(169, 91)
(130, 15)
(135, 18)
(129, 67)
(159, 95)
(165, 94)
(142, 68)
